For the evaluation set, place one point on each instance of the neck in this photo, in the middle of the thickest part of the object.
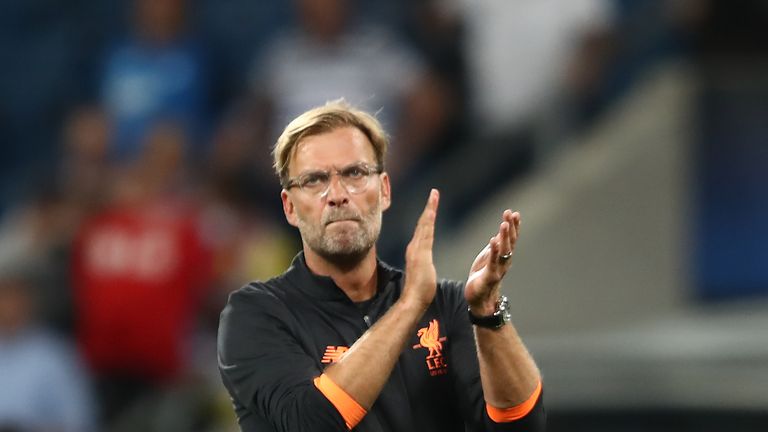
(357, 280)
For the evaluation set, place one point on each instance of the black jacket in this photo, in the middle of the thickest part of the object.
(276, 336)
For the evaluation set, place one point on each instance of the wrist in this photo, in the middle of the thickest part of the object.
(485, 305)
(483, 308)
(497, 318)
(485, 302)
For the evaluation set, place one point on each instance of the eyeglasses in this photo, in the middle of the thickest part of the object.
(355, 179)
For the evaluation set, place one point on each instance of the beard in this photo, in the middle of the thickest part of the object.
(343, 243)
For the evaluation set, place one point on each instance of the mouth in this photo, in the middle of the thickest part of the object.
(341, 221)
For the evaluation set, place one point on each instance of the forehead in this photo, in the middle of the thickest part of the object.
(337, 148)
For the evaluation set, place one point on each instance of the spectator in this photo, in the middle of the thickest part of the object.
(234, 173)
(523, 58)
(329, 57)
(39, 231)
(139, 268)
(239, 219)
(84, 165)
(42, 384)
(157, 74)
(523, 54)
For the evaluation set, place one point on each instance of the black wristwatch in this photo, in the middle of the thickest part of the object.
(499, 318)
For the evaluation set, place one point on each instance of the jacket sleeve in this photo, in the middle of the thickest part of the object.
(529, 416)
(265, 369)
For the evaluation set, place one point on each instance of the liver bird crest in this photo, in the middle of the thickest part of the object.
(429, 337)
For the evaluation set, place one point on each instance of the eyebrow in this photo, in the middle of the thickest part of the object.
(317, 170)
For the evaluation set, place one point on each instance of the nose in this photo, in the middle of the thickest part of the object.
(337, 194)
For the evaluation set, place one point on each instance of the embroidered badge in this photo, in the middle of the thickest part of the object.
(429, 338)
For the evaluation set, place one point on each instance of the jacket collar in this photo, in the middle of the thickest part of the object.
(324, 288)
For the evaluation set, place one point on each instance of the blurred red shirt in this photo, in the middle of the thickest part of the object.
(139, 275)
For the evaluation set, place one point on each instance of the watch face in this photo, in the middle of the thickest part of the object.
(503, 307)
(506, 316)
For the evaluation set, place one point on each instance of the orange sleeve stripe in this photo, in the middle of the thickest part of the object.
(506, 415)
(349, 409)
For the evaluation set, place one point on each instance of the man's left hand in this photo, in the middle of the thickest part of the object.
(490, 266)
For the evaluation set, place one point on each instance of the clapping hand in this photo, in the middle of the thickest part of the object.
(490, 266)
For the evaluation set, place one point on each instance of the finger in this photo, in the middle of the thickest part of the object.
(505, 240)
(427, 215)
(507, 215)
(516, 221)
(425, 227)
(514, 224)
(493, 255)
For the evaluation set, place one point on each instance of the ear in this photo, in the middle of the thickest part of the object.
(386, 191)
(288, 208)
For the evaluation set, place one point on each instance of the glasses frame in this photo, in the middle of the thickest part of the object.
(301, 180)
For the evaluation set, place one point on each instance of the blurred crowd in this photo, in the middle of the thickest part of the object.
(137, 187)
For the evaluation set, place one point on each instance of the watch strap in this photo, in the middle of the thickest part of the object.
(494, 321)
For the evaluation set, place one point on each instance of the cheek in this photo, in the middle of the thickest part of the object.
(367, 202)
(298, 210)
(307, 213)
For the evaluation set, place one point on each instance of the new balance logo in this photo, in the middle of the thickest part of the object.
(333, 353)
(429, 338)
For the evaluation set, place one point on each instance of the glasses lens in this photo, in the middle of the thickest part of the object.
(315, 182)
(355, 178)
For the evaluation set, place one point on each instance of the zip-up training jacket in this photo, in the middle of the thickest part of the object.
(276, 338)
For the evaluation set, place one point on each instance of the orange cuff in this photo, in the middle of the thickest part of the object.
(506, 415)
(349, 409)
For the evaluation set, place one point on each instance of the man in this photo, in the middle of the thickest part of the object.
(156, 74)
(364, 63)
(342, 340)
(140, 274)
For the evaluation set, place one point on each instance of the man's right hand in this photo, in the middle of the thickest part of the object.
(420, 275)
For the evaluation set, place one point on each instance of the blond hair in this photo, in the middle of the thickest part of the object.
(331, 116)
